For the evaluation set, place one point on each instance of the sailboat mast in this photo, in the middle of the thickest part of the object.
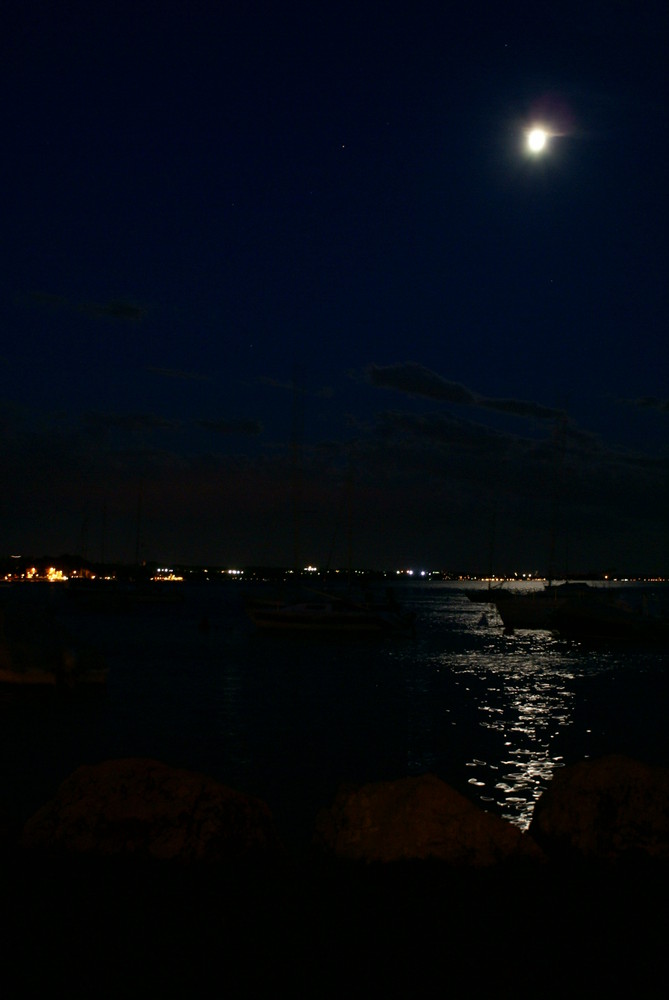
(349, 516)
(491, 551)
(297, 431)
(559, 435)
(138, 528)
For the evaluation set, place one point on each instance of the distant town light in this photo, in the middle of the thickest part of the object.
(54, 575)
(165, 574)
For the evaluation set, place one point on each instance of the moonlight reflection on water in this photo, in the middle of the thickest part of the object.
(290, 719)
(521, 706)
(523, 703)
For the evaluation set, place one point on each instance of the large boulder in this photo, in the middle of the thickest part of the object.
(605, 810)
(147, 809)
(418, 818)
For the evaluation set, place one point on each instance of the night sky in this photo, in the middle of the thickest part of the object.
(247, 240)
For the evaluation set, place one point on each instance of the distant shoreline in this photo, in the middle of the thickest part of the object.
(66, 567)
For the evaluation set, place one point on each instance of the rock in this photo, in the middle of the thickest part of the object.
(605, 810)
(37, 650)
(418, 818)
(147, 809)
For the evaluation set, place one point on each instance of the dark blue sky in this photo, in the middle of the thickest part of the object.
(207, 205)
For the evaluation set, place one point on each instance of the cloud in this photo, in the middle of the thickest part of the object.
(520, 408)
(415, 380)
(179, 374)
(455, 451)
(51, 301)
(244, 427)
(651, 403)
(325, 392)
(422, 487)
(114, 309)
(131, 422)
(440, 430)
(275, 383)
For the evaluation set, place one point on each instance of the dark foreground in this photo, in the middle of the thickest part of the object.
(98, 928)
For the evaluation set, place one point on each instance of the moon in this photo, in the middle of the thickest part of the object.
(537, 139)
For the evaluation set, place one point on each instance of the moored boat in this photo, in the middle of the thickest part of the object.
(537, 609)
(329, 613)
(604, 615)
(486, 595)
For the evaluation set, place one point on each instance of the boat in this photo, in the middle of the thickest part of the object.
(486, 595)
(121, 596)
(330, 613)
(489, 594)
(609, 616)
(536, 609)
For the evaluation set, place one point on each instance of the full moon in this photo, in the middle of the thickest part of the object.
(536, 140)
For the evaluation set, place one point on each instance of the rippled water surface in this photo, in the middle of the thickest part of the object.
(290, 718)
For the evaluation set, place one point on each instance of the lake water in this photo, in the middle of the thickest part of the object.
(290, 718)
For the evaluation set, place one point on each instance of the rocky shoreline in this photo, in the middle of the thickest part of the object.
(137, 877)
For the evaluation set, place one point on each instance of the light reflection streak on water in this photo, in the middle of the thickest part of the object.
(498, 714)
(518, 694)
(526, 701)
